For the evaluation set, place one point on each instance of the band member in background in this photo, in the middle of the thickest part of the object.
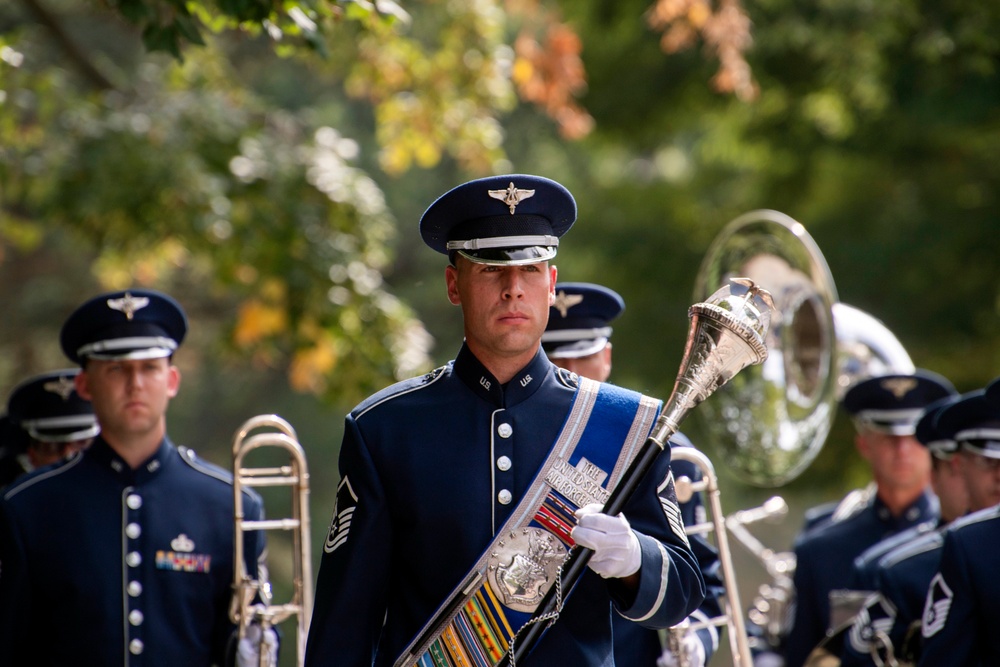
(885, 411)
(870, 629)
(484, 466)
(54, 420)
(578, 338)
(963, 599)
(123, 555)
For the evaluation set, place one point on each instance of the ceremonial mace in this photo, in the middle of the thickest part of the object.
(726, 334)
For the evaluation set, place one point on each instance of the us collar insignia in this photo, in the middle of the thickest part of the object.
(899, 387)
(63, 387)
(128, 304)
(511, 196)
(563, 302)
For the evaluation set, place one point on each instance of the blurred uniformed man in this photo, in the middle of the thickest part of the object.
(887, 569)
(963, 600)
(122, 555)
(462, 490)
(885, 411)
(578, 338)
(55, 422)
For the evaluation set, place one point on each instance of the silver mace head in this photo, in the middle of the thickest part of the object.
(726, 335)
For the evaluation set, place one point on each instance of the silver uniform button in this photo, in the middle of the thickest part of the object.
(134, 589)
(504, 463)
(135, 646)
(134, 559)
(913, 513)
(134, 501)
(133, 530)
(505, 430)
(504, 497)
(135, 617)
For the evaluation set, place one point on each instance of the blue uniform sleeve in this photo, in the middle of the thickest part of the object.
(949, 618)
(670, 581)
(354, 573)
(15, 603)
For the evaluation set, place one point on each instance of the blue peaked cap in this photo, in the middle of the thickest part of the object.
(129, 324)
(894, 403)
(510, 219)
(580, 320)
(48, 408)
(974, 423)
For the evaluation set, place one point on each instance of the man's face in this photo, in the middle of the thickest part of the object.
(505, 308)
(982, 479)
(898, 461)
(596, 366)
(42, 453)
(129, 396)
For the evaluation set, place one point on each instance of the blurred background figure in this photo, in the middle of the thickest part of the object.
(47, 421)
(885, 410)
(578, 338)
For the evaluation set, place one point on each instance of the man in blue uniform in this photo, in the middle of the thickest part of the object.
(578, 338)
(885, 410)
(122, 555)
(963, 599)
(461, 491)
(881, 569)
(55, 421)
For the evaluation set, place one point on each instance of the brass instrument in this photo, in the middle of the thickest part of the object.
(732, 617)
(252, 601)
(771, 421)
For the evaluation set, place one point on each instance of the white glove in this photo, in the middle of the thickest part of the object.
(616, 548)
(247, 653)
(690, 646)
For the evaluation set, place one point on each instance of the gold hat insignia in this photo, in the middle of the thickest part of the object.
(63, 387)
(563, 302)
(511, 196)
(899, 387)
(128, 304)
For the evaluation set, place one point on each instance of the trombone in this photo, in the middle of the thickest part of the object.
(252, 597)
(732, 617)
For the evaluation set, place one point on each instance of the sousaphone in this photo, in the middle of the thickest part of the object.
(770, 422)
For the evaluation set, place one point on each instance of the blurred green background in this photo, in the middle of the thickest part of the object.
(267, 163)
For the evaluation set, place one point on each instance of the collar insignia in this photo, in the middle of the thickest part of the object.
(128, 304)
(182, 543)
(63, 387)
(511, 196)
(899, 387)
(563, 302)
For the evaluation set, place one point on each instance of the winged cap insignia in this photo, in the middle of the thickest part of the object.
(899, 387)
(128, 304)
(512, 196)
(63, 387)
(563, 302)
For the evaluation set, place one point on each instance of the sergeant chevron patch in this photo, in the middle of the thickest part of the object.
(939, 597)
(343, 512)
(670, 508)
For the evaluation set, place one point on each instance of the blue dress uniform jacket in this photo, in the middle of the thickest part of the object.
(104, 565)
(901, 578)
(636, 646)
(824, 559)
(430, 469)
(963, 600)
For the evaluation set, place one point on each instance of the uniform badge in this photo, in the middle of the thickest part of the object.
(937, 606)
(876, 618)
(563, 302)
(524, 566)
(180, 557)
(343, 512)
(581, 484)
(63, 387)
(128, 304)
(511, 196)
(670, 508)
(898, 387)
